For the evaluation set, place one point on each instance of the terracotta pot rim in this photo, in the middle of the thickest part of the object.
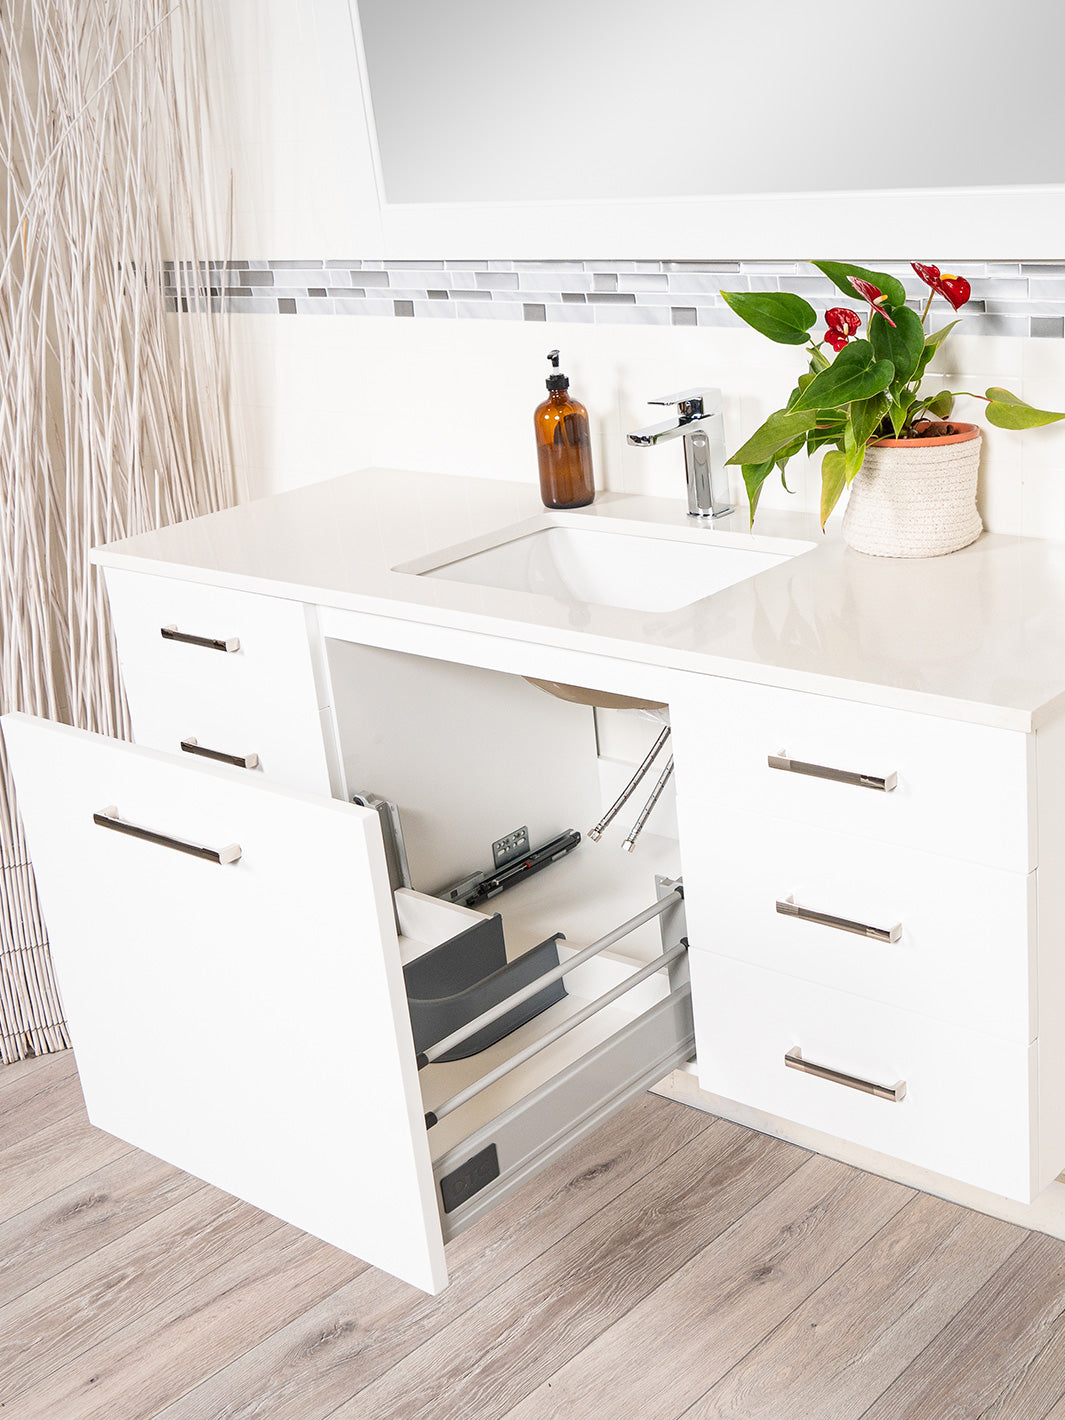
(965, 433)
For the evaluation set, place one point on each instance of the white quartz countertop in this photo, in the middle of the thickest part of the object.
(978, 635)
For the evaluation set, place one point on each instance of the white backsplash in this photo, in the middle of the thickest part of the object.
(315, 396)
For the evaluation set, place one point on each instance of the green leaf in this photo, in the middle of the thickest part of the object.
(855, 373)
(1006, 411)
(866, 415)
(754, 475)
(833, 482)
(778, 431)
(931, 345)
(936, 339)
(839, 271)
(940, 406)
(903, 343)
(778, 314)
(899, 411)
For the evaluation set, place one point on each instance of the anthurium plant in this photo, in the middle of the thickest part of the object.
(868, 387)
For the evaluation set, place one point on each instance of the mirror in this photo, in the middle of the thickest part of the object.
(478, 101)
(753, 121)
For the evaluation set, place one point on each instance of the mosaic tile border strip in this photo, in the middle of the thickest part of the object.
(1009, 298)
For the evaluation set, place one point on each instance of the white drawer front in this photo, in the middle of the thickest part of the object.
(958, 789)
(969, 1104)
(256, 702)
(964, 935)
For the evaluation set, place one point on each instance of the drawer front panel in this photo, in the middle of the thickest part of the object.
(968, 1101)
(242, 1015)
(939, 785)
(213, 673)
(943, 937)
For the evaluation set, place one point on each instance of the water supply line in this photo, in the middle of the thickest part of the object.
(622, 799)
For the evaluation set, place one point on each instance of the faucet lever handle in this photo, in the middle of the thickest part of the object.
(693, 402)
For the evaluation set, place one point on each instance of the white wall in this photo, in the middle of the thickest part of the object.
(317, 396)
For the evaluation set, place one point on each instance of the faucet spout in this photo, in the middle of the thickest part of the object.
(699, 424)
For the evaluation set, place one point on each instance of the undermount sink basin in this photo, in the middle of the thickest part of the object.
(636, 567)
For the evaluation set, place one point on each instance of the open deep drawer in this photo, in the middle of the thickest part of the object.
(234, 984)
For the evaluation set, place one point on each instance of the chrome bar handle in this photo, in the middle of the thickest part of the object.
(608, 998)
(213, 643)
(886, 782)
(895, 1093)
(494, 1013)
(190, 745)
(108, 818)
(790, 908)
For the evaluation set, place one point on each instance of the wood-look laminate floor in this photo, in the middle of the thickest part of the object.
(674, 1266)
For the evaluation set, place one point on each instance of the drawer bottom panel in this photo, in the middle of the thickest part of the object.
(966, 1106)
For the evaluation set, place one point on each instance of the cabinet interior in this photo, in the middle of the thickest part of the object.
(468, 755)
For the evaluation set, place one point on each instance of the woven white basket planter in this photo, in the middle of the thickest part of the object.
(916, 497)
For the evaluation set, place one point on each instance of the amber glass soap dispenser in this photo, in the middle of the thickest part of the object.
(563, 445)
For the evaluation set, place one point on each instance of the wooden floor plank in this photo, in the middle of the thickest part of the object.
(839, 1350)
(18, 1072)
(978, 1359)
(665, 1352)
(77, 1221)
(321, 1359)
(44, 1328)
(261, 1285)
(531, 1325)
(52, 1159)
(36, 1101)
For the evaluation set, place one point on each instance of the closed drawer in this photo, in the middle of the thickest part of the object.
(220, 672)
(926, 933)
(949, 787)
(967, 1106)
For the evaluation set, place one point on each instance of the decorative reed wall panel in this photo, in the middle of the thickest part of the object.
(111, 413)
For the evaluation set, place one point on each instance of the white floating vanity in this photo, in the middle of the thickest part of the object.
(868, 821)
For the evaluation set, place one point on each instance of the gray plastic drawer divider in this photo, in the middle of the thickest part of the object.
(571, 1023)
(488, 1017)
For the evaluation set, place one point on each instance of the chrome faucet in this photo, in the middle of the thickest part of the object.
(699, 423)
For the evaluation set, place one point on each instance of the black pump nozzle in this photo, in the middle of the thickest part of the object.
(556, 381)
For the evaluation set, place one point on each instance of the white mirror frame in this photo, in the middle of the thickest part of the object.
(992, 223)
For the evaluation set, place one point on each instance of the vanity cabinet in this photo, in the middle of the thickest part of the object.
(880, 955)
(874, 897)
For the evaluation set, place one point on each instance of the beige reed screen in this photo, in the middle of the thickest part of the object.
(112, 413)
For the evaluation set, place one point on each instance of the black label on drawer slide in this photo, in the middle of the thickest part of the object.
(469, 1178)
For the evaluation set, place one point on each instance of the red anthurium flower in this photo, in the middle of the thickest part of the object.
(842, 324)
(875, 297)
(955, 288)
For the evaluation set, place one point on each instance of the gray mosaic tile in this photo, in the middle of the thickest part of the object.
(533, 312)
(500, 266)
(256, 277)
(251, 306)
(574, 298)
(612, 298)
(531, 295)
(315, 308)
(695, 266)
(297, 265)
(434, 310)
(684, 315)
(342, 261)
(1046, 289)
(571, 315)
(718, 316)
(439, 295)
(496, 280)
(286, 306)
(403, 308)
(560, 281)
(605, 281)
(465, 265)
(1042, 268)
(685, 282)
(368, 277)
(1049, 327)
(413, 265)
(548, 266)
(643, 281)
(997, 325)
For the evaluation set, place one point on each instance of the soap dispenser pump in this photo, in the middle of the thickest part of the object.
(563, 445)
